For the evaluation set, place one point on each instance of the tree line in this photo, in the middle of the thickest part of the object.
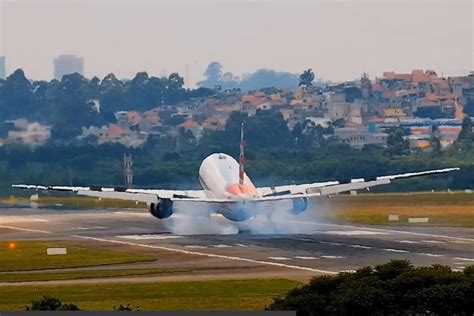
(394, 288)
(73, 102)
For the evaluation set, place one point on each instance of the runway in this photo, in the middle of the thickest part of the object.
(313, 248)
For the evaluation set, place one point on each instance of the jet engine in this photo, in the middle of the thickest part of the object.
(238, 212)
(299, 205)
(237, 216)
(162, 209)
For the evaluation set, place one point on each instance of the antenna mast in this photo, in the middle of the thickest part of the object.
(127, 170)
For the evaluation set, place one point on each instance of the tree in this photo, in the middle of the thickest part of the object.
(466, 130)
(173, 89)
(469, 106)
(435, 144)
(18, 95)
(49, 303)
(366, 86)
(306, 78)
(466, 136)
(112, 94)
(307, 134)
(126, 308)
(396, 142)
(351, 93)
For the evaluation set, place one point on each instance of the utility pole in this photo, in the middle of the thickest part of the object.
(127, 170)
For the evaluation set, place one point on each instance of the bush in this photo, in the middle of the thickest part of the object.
(49, 303)
(394, 288)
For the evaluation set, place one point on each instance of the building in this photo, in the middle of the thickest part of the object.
(2, 67)
(360, 137)
(68, 64)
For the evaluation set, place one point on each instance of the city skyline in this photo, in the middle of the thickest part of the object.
(338, 40)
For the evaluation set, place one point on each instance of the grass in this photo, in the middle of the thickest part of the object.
(76, 275)
(31, 255)
(245, 295)
(443, 209)
(75, 201)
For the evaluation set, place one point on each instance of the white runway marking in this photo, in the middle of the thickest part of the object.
(391, 231)
(408, 242)
(429, 254)
(352, 232)
(333, 257)
(279, 258)
(361, 246)
(149, 237)
(9, 219)
(98, 227)
(463, 259)
(241, 245)
(396, 250)
(306, 258)
(210, 255)
(27, 229)
(433, 241)
(221, 246)
(330, 243)
(39, 220)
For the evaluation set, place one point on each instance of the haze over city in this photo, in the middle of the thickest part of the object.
(338, 39)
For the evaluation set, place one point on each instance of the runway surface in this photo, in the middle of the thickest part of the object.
(307, 249)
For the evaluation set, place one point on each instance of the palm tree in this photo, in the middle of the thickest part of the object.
(307, 77)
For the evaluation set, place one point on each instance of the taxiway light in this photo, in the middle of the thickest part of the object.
(11, 246)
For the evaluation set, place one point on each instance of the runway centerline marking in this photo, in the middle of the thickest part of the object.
(429, 254)
(203, 254)
(306, 258)
(279, 258)
(333, 257)
(395, 250)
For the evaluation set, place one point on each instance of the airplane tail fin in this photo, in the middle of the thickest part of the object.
(241, 156)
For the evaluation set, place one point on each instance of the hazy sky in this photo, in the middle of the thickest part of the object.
(338, 39)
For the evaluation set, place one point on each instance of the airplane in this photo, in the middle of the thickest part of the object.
(227, 189)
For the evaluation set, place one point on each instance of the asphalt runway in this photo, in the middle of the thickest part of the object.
(308, 247)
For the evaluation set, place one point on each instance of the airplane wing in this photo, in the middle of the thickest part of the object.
(140, 195)
(334, 187)
(286, 192)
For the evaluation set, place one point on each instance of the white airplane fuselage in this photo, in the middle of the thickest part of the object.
(219, 178)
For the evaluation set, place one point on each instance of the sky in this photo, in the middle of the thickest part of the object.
(338, 39)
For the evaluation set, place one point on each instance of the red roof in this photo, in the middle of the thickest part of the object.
(389, 94)
(377, 87)
(190, 124)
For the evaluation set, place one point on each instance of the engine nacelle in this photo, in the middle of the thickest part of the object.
(299, 205)
(238, 212)
(163, 209)
(237, 215)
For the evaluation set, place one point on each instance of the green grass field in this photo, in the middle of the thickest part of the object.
(443, 209)
(31, 255)
(200, 295)
(74, 201)
(76, 275)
